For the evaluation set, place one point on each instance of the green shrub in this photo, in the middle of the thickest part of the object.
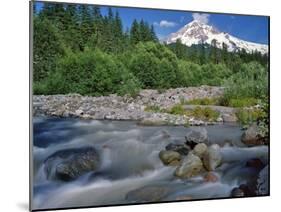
(90, 73)
(154, 65)
(193, 74)
(243, 102)
(248, 116)
(250, 82)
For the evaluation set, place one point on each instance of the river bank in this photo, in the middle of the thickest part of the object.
(115, 107)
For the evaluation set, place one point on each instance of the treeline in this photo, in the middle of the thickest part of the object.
(80, 49)
(205, 53)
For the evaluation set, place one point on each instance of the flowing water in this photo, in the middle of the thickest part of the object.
(129, 161)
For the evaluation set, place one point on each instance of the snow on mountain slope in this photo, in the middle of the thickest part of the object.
(197, 32)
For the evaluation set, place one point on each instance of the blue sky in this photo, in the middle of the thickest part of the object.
(249, 28)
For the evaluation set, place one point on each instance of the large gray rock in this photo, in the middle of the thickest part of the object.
(262, 182)
(212, 158)
(147, 194)
(196, 136)
(71, 163)
(189, 167)
(170, 157)
(251, 136)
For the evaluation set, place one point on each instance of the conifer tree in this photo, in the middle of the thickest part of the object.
(135, 32)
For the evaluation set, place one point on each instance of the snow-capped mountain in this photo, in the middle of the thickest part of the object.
(197, 32)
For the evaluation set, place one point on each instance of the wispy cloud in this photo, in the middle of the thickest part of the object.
(202, 17)
(165, 24)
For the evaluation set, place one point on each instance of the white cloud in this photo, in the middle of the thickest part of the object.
(204, 18)
(165, 24)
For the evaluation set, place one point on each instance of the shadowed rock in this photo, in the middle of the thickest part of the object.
(196, 136)
(180, 148)
(69, 164)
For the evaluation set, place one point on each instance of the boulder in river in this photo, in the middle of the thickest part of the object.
(247, 189)
(237, 192)
(200, 150)
(180, 148)
(196, 136)
(189, 167)
(212, 158)
(262, 187)
(255, 163)
(70, 164)
(170, 157)
(147, 194)
(251, 137)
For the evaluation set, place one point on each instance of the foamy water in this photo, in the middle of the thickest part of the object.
(129, 160)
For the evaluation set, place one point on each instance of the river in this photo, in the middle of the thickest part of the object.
(129, 161)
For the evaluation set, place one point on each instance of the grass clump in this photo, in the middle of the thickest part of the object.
(177, 110)
(204, 113)
(153, 108)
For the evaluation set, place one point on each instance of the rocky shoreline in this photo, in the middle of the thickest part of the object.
(114, 107)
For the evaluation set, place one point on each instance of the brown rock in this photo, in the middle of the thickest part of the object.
(211, 177)
(255, 163)
(251, 136)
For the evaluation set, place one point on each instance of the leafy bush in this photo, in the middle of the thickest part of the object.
(154, 65)
(248, 116)
(193, 74)
(250, 82)
(90, 73)
(243, 102)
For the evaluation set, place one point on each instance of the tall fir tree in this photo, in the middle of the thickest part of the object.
(135, 33)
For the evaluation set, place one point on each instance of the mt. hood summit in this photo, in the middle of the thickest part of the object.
(197, 32)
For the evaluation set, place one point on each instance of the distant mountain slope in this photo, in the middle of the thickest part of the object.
(197, 33)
